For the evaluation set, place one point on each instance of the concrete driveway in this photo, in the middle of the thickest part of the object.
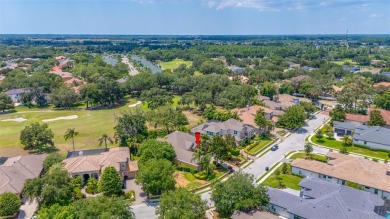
(145, 211)
(140, 196)
(295, 141)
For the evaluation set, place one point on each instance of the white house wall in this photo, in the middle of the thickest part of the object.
(372, 144)
(311, 174)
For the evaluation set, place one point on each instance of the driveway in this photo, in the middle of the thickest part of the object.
(27, 209)
(295, 141)
(140, 196)
(145, 211)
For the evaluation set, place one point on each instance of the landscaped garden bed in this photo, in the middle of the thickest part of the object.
(258, 145)
(333, 143)
(318, 157)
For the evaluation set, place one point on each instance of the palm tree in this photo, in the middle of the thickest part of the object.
(104, 139)
(70, 133)
(347, 140)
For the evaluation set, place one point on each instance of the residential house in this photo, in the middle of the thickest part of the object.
(64, 75)
(374, 177)
(239, 130)
(356, 119)
(386, 74)
(16, 94)
(385, 115)
(15, 171)
(351, 69)
(293, 65)
(91, 163)
(247, 114)
(281, 102)
(184, 146)
(372, 136)
(384, 84)
(237, 70)
(320, 199)
(307, 68)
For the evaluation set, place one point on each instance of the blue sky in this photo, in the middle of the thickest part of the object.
(195, 17)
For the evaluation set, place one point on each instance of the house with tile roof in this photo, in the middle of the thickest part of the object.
(16, 94)
(247, 114)
(374, 177)
(320, 199)
(356, 119)
(240, 131)
(91, 163)
(15, 171)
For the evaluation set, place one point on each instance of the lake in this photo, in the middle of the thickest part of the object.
(148, 64)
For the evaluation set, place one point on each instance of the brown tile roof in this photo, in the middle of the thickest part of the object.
(354, 169)
(16, 170)
(357, 118)
(385, 114)
(337, 88)
(247, 115)
(386, 84)
(97, 163)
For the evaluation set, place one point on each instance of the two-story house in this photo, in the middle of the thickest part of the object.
(239, 130)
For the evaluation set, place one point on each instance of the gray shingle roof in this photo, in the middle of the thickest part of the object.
(344, 125)
(374, 134)
(183, 144)
(331, 201)
(17, 91)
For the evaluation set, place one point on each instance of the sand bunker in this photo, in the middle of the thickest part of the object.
(61, 118)
(135, 104)
(19, 119)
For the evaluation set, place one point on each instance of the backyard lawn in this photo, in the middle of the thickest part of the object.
(333, 143)
(290, 181)
(259, 144)
(174, 64)
(90, 124)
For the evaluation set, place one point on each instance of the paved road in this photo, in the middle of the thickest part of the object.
(295, 141)
(132, 70)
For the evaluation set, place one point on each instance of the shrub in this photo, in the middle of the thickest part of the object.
(92, 186)
(189, 177)
(77, 194)
(201, 175)
(193, 171)
(277, 172)
(9, 204)
(375, 160)
(130, 195)
(235, 152)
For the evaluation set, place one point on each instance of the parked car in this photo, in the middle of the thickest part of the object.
(274, 148)
(266, 168)
(230, 168)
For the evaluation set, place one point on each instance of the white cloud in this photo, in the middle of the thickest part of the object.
(376, 15)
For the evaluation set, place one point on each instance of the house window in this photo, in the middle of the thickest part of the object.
(324, 176)
(376, 191)
(235, 132)
(217, 134)
(300, 173)
(329, 177)
(367, 187)
(365, 142)
(210, 133)
(123, 165)
(343, 182)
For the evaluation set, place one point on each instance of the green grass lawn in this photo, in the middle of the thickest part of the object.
(260, 145)
(290, 181)
(333, 143)
(192, 185)
(314, 156)
(341, 62)
(90, 124)
(189, 176)
(174, 64)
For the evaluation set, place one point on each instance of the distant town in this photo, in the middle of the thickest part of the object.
(257, 127)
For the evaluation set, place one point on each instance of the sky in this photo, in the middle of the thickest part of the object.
(195, 17)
